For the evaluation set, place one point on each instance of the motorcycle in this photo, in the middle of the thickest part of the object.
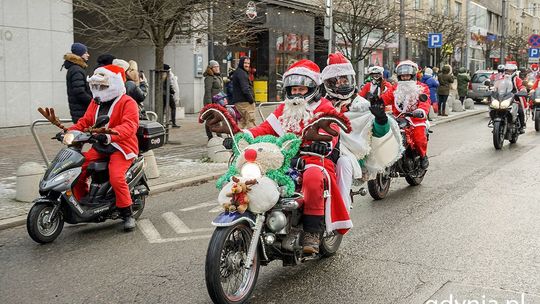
(535, 109)
(57, 204)
(504, 112)
(266, 231)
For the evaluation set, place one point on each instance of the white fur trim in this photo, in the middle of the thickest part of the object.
(248, 132)
(275, 124)
(334, 70)
(126, 156)
(384, 150)
(306, 72)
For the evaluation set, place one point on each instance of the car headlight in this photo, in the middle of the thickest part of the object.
(250, 170)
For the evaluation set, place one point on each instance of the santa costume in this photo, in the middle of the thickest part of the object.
(291, 117)
(108, 90)
(404, 98)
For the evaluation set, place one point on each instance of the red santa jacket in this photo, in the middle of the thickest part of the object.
(366, 89)
(389, 99)
(336, 214)
(124, 119)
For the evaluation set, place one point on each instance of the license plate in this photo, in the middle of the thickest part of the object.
(482, 88)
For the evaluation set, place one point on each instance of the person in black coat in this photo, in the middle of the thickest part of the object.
(78, 91)
(242, 94)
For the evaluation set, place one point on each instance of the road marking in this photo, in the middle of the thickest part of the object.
(216, 209)
(177, 225)
(185, 238)
(199, 206)
(149, 231)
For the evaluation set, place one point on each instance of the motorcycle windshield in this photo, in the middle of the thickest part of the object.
(503, 88)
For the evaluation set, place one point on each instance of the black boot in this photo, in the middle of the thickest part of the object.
(127, 216)
(424, 162)
(313, 228)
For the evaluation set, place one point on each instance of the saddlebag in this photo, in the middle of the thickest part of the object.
(151, 135)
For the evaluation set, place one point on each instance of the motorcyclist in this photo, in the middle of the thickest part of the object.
(499, 75)
(303, 102)
(517, 85)
(108, 90)
(360, 151)
(411, 96)
(377, 85)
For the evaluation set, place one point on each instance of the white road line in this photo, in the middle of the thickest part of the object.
(216, 210)
(201, 205)
(149, 231)
(185, 238)
(177, 225)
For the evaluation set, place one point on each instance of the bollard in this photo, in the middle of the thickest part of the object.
(28, 177)
(216, 152)
(150, 165)
(456, 105)
(469, 104)
(432, 114)
(448, 107)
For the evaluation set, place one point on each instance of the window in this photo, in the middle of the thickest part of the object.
(417, 4)
(457, 10)
(534, 9)
(432, 6)
(446, 7)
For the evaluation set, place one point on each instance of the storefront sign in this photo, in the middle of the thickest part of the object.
(251, 10)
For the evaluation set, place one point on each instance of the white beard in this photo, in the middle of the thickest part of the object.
(406, 95)
(294, 113)
(108, 94)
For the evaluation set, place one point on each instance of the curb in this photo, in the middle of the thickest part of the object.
(170, 186)
(457, 118)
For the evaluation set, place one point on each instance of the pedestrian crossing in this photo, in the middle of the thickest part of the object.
(178, 226)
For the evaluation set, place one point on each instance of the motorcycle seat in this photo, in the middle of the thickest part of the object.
(98, 166)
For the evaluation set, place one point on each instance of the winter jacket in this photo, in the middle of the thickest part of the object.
(463, 83)
(137, 92)
(242, 90)
(78, 91)
(433, 85)
(213, 85)
(446, 79)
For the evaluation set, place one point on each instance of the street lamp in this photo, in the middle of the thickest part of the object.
(402, 42)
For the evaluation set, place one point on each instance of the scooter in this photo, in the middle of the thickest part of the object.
(57, 204)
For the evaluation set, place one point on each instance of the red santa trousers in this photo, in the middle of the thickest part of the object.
(118, 166)
(419, 139)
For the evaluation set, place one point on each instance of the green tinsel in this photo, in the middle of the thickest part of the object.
(277, 175)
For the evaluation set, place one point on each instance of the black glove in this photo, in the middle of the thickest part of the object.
(418, 113)
(319, 147)
(102, 138)
(377, 109)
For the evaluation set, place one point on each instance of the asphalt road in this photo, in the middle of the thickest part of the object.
(471, 231)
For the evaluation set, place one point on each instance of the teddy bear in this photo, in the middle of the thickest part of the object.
(239, 195)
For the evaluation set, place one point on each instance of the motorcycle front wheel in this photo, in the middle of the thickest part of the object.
(536, 122)
(416, 179)
(498, 135)
(38, 226)
(378, 187)
(330, 243)
(227, 279)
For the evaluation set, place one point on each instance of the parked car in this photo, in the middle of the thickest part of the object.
(477, 90)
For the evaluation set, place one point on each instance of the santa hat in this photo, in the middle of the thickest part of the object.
(121, 63)
(307, 68)
(534, 66)
(338, 65)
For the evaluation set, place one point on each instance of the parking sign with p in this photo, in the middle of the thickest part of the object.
(434, 40)
(534, 53)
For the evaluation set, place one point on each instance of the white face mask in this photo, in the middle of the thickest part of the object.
(105, 88)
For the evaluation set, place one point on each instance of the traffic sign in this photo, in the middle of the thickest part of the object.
(534, 53)
(434, 40)
(534, 40)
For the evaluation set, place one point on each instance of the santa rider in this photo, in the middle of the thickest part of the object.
(377, 85)
(499, 75)
(108, 90)
(517, 85)
(371, 146)
(302, 102)
(411, 96)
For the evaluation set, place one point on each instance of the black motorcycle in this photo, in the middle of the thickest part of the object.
(503, 112)
(57, 203)
(535, 109)
(408, 166)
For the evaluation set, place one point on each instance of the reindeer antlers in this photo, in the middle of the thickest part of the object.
(49, 114)
(101, 131)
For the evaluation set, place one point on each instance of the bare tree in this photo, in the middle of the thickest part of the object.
(516, 48)
(362, 26)
(488, 45)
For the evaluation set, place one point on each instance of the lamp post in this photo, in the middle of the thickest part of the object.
(328, 24)
(503, 29)
(402, 42)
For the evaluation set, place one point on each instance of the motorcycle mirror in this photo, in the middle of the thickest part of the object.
(101, 121)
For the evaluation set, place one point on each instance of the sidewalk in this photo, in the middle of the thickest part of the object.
(181, 162)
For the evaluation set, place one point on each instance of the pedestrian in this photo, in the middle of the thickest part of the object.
(213, 88)
(104, 59)
(463, 79)
(243, 97)
(386, 73)
(171, 92)
(446, 79)
(436, 72)
(78, 91)
(433, 85)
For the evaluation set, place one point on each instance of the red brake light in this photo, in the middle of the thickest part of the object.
(470, 85)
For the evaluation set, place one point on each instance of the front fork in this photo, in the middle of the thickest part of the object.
(254, 240)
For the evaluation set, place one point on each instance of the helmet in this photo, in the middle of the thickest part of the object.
(375, 70)
(510, 68)
(500, 68)
(340, 87)
(406, 67)
(296, 80)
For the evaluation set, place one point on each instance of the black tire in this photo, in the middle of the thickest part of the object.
(378, 187)
(514, 138)
(537, 123)
(416, 179)
(220, 264)
(138, 210)
(35, 227)
(498, 135)
(330, 243)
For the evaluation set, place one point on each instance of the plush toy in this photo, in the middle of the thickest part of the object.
(239, 197)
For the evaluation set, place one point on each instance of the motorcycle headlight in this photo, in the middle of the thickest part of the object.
(494, 104)
(65, 177)
(250, 170)
(68, 138)
(537, 100)
(505, 103)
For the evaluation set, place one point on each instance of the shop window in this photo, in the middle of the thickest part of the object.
(290, 47)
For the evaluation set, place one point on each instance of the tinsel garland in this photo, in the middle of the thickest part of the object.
(224, 111)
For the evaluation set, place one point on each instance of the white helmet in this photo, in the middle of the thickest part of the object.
(375, 70)
(407, 67)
